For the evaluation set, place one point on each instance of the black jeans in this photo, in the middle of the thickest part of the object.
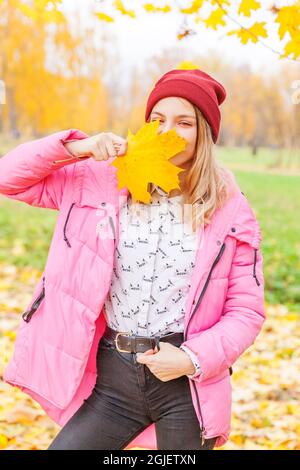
(126, 398)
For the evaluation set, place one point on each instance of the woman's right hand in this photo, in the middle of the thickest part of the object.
(100, 146)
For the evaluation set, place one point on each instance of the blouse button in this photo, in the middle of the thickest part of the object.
(233, 229)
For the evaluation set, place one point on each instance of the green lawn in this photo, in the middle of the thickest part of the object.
(275, 199)
(266, 159)
(26, 231)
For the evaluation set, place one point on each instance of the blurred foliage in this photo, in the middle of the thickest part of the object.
(65, 75)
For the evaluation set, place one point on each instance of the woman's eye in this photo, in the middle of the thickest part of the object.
(186, 123)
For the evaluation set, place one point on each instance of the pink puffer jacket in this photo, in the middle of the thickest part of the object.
(54, 359)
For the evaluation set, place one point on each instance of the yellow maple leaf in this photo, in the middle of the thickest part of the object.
(250, 34)
(288, 18)
(146, 161)
(292, 47)
(187, 65)
(215, 19)
(247, 5)
(104, 17)
(220, 3)
(193, 8)
(153, 9)
(118, 4)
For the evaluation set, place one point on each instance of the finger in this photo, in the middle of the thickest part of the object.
(123, 149)
(110, 149)
(143, 358)
(149, 352)
(116, 138)
(96, 152)
(103, 150)
(119, 142)
(116, 146)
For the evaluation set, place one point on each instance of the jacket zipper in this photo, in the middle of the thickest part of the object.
(67, 218)
(185, 334)
(28, 314)
(254, 265)
(113, 227)
(65, 225)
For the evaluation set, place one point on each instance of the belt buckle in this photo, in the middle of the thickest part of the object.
(116, 340)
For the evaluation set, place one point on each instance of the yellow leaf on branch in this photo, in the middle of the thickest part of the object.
(146, 161)
(288, 18)
(187, 65)
(154, 9)
(215, 19)
(292, 47)
(252, 33)
(118, 4)
(247, 5)
(103, 17)
(193, 8)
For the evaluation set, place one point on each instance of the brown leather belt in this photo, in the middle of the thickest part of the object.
(125, 342)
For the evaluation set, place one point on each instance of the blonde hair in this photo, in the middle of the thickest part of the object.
(207, 184)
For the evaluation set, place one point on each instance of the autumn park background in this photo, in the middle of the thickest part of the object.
(66, 65)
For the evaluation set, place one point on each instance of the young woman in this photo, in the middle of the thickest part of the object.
(139, 314)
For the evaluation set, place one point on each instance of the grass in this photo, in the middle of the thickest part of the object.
(275, 199)
(274, 161)
(26, 231)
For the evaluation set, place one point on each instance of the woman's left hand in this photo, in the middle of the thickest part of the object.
(169, 363)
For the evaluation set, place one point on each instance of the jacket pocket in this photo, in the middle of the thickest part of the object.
(27, 315)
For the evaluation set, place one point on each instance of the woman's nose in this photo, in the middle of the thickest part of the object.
(165, 128)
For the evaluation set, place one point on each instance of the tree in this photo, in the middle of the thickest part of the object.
(243, 14)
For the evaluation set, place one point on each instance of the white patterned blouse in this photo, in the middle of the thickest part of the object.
(152, 269)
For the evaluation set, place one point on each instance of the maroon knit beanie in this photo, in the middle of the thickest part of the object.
(197, 87)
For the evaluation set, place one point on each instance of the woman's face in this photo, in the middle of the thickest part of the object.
(178, 113)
